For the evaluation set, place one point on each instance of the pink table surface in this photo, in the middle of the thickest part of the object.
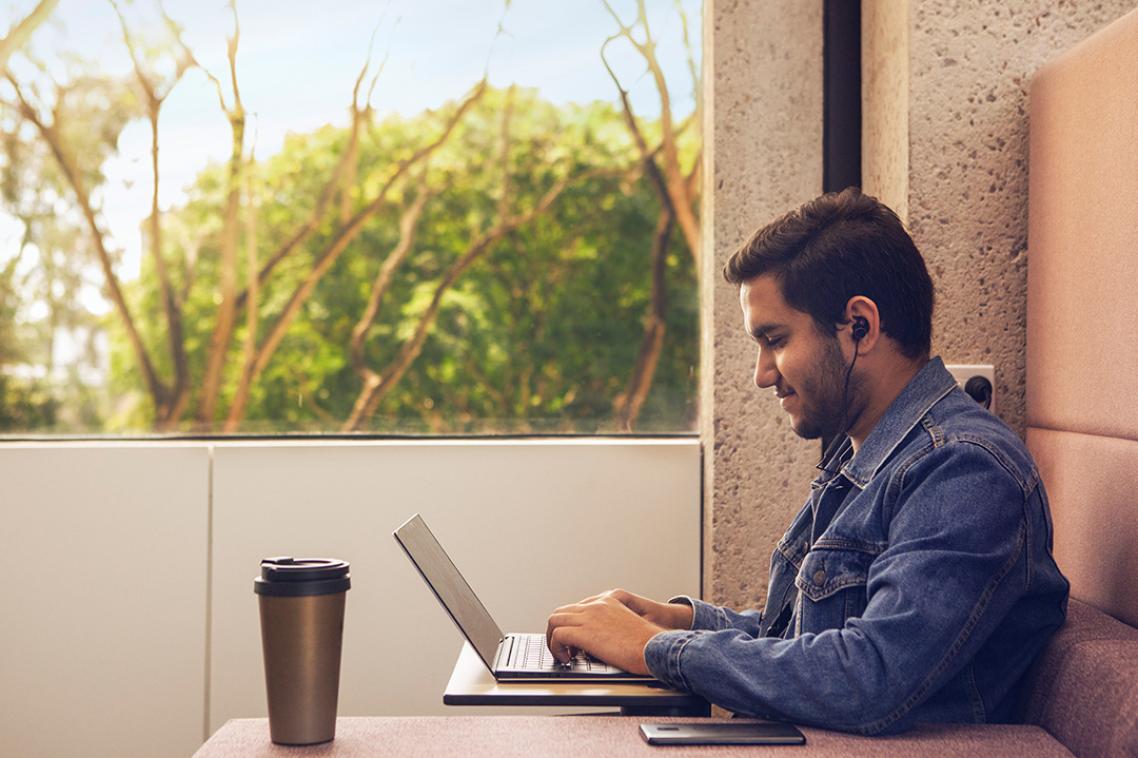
(590, 736)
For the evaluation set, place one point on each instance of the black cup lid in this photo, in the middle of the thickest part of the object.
(288, 569)
(286, 575)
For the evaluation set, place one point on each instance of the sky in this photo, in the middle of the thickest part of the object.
(297, 63)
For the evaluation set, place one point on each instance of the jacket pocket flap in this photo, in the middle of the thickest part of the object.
(826, 571)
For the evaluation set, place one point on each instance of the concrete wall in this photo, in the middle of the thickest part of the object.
(945, 143)
(885, 121)
(959, 113)
(763, 124)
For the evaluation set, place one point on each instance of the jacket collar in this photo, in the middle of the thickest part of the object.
(923, 391)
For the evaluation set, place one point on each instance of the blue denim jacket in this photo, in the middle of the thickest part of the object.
(924, 595)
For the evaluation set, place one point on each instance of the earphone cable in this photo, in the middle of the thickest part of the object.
(841, 433)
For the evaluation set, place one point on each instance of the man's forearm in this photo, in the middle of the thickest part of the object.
(716, 617)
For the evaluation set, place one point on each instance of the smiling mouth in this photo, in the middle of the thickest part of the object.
(784, 395)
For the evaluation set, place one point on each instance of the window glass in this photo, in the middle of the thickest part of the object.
(402, 217)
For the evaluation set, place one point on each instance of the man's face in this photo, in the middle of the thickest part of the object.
(805, 368)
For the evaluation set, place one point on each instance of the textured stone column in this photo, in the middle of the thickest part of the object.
(944, 95)
(763, 131)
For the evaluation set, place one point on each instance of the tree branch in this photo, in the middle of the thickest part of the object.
(188, 56)
(677, 188)
(350, 159)
(227, 310)
(628, 404)
(173, 309)
(22, 31)
(249, 349)
(158, 391)
(646, 156)
(695, 175)
(693, 68)
(408, 224)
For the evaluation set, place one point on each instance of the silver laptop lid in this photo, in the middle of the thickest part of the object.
(437, 569)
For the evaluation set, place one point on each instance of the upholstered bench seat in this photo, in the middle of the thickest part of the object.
(1084, 688)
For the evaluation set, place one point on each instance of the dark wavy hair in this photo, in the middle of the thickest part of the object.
(837, 246)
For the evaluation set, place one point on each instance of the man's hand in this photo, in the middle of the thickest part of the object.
(614, 626)
(667, 615)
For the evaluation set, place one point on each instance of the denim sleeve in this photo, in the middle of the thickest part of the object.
(953, 568)
(716, 617)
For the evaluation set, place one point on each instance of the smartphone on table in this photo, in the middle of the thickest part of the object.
(723, 733)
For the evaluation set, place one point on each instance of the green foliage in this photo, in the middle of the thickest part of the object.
(24, 404)
(540, 334)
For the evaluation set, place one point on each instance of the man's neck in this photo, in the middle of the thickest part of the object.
(887, 384)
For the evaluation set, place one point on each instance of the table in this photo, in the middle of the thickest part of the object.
(472, 684)
(576, 736)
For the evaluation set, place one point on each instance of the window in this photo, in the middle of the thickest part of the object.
(397, 218)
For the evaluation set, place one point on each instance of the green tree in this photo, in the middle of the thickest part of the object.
(532, 332)
(499, 264)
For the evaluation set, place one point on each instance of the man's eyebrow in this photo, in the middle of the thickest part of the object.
(761, 330)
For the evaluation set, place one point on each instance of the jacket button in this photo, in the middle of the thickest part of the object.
(819, 577)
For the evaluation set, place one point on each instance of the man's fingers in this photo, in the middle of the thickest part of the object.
(559, 626)
(560, 618)
(564, 641)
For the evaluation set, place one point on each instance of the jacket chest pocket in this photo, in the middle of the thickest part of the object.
(832, 586)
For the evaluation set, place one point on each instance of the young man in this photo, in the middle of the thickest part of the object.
(917, 582)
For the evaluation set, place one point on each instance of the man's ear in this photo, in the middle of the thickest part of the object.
(863, 318)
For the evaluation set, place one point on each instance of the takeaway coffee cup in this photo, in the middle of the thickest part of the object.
(302, 625)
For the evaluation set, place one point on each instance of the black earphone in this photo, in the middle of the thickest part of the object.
(858, 331)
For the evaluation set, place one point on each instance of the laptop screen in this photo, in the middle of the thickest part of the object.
(450, 588)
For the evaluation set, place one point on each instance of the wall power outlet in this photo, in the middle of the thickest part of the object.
(971, 378)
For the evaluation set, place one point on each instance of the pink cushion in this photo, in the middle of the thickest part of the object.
(1084, 687)
(1082, 274)
(1092, 483)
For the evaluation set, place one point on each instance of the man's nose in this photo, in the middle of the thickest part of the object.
(766, 375)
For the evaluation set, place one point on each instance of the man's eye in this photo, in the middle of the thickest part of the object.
(776, 342)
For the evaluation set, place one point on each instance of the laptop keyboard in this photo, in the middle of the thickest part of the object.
(531, 653)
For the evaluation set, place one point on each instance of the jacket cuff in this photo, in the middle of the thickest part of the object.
(663, 654)
(704, 615)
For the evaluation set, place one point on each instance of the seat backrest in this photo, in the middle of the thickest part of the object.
(1082, 381)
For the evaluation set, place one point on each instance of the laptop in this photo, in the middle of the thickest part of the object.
(509, 657)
